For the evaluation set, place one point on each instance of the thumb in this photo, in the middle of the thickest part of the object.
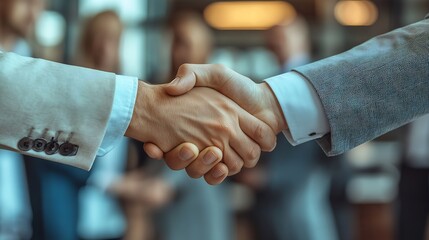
(231, 84)
(183, 83)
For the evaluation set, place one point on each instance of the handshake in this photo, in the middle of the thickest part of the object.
(210, 121)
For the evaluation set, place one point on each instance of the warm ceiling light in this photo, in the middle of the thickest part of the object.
(356, 13)
(251, 15)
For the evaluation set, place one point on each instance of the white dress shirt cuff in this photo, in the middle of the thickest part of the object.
(122, 111)
(301, 107)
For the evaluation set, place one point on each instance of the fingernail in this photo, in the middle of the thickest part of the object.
(217, 173)
(209, 158)
(175, 81)
(185, 154)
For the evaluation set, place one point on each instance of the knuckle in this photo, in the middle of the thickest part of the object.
(253, 154)
(221, 74)
(251, 164)
(219, 67)
(235, 167)
(225, 128)
(225, 105)
(258, 133)
(184, 68)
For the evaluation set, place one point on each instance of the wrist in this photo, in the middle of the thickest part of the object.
(279, 124)
(138, 124)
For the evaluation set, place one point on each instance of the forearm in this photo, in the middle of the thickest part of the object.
(373, 88)
(55, 102)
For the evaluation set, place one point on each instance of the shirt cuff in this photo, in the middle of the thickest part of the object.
(122, 111)
(301, 107)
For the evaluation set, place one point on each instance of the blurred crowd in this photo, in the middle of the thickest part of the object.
(296, 193)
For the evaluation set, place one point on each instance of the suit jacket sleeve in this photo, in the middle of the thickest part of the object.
(373, 88)
(45, 101)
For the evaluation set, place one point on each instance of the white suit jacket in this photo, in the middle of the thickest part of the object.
(53, 111)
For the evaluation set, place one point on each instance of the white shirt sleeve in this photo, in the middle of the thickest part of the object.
(301, 107)
(122, 112)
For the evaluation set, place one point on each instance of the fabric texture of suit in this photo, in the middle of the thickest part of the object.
(373, 88)
(42, 99)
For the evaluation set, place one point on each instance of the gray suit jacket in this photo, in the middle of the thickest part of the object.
(373, 88)
(42, 100)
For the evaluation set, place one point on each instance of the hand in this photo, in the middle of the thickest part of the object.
(213, 175)
(257, 99)
(203, 117)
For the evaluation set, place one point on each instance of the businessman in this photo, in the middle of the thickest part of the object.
(343, 101)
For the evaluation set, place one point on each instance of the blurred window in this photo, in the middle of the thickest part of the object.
(50, 29)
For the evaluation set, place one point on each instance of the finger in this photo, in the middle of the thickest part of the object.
(153, 151)
(214, 76)
(248, 150)
(232, 160)
(257, 130)
(217, 174)
(200, 75)
(185, 80)
(181, 156)
(207, 159)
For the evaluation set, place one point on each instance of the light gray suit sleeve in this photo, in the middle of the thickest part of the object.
(373, 88)
(44, 100)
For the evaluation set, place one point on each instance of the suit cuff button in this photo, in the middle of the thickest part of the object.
(52, 148)
(25, 144)
(39, 145)
(68, 149)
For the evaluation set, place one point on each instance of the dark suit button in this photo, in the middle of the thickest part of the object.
(39, 145)
(25, 144)
(68, 149)
(52, 148)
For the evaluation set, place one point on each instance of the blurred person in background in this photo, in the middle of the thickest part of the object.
(184, 208)
(290, 44)
(69, 203)
(292, 184)
(413, 195)
(17, 21)
(100, 42)
(192, 40)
